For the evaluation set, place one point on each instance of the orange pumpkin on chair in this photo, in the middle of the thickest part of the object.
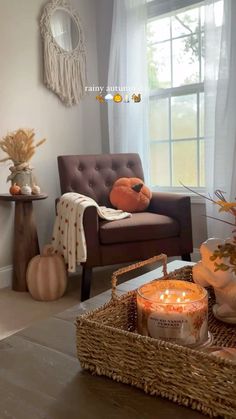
(130, 194)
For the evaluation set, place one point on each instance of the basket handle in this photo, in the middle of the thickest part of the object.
(137, 265)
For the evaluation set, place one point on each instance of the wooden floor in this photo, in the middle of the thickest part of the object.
(40, 376)
(19, 310)
(28, 311)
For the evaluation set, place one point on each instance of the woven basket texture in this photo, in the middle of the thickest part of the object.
(108, 344)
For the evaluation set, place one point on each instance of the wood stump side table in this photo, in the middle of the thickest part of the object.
(26, 243)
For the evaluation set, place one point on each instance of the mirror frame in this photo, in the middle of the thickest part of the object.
(65, 72)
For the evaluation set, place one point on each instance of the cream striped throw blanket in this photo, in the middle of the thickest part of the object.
(68, 232)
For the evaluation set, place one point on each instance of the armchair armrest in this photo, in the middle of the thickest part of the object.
(91, 231)
(177, 207)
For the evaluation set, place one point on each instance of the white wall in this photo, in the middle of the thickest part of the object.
(26, 102)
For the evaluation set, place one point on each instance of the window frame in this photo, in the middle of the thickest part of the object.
(156, 9)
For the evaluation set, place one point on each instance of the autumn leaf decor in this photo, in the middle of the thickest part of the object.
(20, 146)
(228, 249)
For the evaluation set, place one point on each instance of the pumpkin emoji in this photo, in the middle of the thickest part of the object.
(117, 98)
(15, 189)
(46, 275)
(130, 194)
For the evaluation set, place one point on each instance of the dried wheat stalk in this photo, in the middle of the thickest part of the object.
(20, 145)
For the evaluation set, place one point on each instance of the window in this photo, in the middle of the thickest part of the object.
(175, 45)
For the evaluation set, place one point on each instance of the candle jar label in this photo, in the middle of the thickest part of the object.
(173, 310)
(188, 330)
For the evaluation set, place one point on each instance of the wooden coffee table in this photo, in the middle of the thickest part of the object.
(40, 375)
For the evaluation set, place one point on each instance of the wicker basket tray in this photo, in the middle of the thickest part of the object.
(108, 344)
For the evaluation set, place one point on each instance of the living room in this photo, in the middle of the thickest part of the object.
(154, 78)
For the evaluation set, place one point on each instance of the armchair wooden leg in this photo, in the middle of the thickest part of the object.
(186, 257)
(86, 283)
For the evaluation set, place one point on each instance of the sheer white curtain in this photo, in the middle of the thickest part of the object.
(220, 106)
(128, 122)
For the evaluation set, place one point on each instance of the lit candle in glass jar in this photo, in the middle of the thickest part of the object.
(173, 310)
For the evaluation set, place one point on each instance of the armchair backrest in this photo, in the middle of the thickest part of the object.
(94, 175)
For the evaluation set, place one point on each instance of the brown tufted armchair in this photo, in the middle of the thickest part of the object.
(164, 227)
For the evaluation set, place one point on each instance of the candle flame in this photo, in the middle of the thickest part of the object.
(184, 294)
(167, 292)
(162, 297)
(178, 300)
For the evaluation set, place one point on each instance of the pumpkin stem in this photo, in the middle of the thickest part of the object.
(137, 187)
(48, 250)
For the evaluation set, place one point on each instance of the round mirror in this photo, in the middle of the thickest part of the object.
(64, 29)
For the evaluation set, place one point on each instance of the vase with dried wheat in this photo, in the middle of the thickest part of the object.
(20, 147)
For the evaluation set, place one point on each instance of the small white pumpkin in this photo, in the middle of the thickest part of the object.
(36, 190)
(26, 190)
(46, 275)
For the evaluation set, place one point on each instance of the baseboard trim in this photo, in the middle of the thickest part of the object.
(6, 276)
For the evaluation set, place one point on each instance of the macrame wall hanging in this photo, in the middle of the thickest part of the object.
(65, 70)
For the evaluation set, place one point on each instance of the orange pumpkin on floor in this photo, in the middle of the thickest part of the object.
(130, 194)
(46, 276)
